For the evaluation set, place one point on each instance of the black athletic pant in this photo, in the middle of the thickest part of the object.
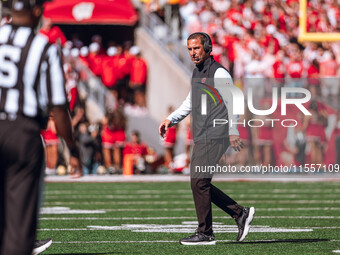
(21, 160)
(208, 153)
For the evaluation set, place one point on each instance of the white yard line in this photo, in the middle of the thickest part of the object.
(297, 209)
(168, 241)
(57, 210)
(106, 191)
(288, 201)
(64, 229)
(298, 217)
(193, 209)
(106, 242)
(115, 218)
(182, 178)
(67, 210)
(325, 227)
(118, 227)
(116, 196)
(184, 217)
(102, 196)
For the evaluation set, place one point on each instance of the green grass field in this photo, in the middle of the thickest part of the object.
(150, 218)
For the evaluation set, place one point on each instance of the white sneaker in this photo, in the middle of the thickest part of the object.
(243, 223)
(40, 246)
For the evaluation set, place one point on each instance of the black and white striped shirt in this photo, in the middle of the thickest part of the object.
(31, 74)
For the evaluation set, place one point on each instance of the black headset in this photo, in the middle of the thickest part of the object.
(207, 43)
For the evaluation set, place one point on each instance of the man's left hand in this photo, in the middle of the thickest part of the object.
(236, 142)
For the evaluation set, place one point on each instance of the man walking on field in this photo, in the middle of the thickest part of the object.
(210, 141)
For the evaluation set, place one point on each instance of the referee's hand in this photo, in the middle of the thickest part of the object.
(236, 142)
(163, 127)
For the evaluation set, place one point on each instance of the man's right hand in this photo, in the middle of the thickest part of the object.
(163, 127)
(75, 167)
(236, 142)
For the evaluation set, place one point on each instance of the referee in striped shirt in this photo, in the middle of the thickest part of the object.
(31, 88)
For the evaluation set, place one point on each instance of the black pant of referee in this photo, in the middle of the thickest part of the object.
(208, 153)
(21, 162)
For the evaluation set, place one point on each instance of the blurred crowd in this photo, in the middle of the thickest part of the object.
(104, 145)
(121, 69)
(255, 40)
(259, 39)
(258, 42)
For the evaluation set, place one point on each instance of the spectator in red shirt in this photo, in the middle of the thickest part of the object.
(313, 73)
(83, 56)
(138, 150)
(229, 42)
(128, 56)
(109, 71)
(169, 143)
(322, 24)
(330, 81)
(295, 66)
(282, 21)
(234, 13)
(122, 72)
(51, 141)
(138, 77)
(71, 85)
(54, 33)
(279, 70)
(217, 50)
(95, 59)
(295, 71)
(314, 126)
(113, 140)
(311, 21)
(266, 38)
(98, 39)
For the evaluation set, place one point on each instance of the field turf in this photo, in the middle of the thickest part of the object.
(150, 218)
